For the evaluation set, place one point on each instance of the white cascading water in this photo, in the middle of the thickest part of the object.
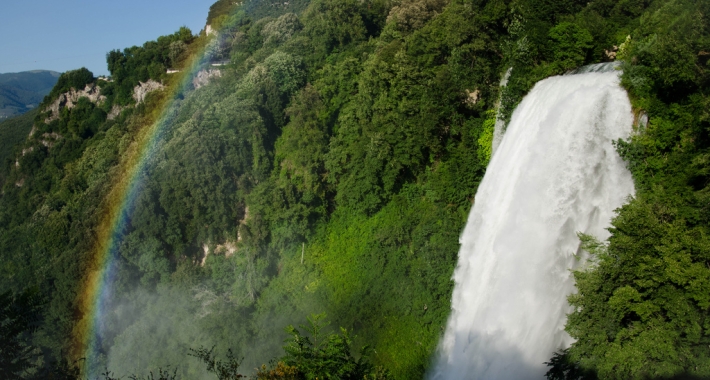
(554, 174)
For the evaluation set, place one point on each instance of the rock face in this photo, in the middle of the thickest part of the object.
(93, 93)
(48, 139)
(227, 249)
(142, 89)
(70, 98)
(472, 97)
(203, 77)
(25, 151)
(115, 111)
(610, 55)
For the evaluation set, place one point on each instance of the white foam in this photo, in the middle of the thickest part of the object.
(555, 173)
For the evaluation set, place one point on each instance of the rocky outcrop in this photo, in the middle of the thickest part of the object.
(206, 250)
(93, 93)
(115, 111)
(70, 98)
(610, 55)
(143, 88)
(472, 97)
(203, 77)
(48, 139)
(24, 152)
(227, 249)
(641, 120)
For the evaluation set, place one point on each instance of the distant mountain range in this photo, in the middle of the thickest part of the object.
(20, 92)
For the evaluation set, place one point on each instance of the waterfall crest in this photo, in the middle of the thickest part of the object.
(555, 173)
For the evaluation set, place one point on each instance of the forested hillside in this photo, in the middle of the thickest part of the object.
(327, 165)
(13, 133)
(20, 92)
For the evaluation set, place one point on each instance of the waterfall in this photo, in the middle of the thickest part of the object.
(499, 128)
(555, 173)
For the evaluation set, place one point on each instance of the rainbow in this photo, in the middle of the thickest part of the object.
(96, 289)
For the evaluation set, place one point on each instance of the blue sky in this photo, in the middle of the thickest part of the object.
(62, 35)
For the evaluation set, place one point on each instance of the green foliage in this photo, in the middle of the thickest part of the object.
(198, 316)
(19, 314)
(21, 92)
(325, 356)
(485, 142)
(227, 370)
(316, 355)
(665, 53)
(221, 8)
(302, 145)
(550, 10)
(139, 64)
(408, 16)
(163, 374)
(52, 197)
(286, 71)
(571, 44)
(563, 368)
(82, 121)
(334, 24)
(76, 79)
(12, 133)
(641, 310)
(331, 167)
(281, 29)
(300, 151)
(242, 173)
(351, 268)
(408, 111)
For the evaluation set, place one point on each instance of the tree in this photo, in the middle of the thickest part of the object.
(642, 310)
(19, 317)
(225, 370)
(410, 15)
(326, 356)
(281, 29)
(75, 79)
(333, 24)
(571, 44)
(286, 71)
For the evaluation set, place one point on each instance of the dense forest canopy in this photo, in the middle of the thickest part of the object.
(328, 167)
